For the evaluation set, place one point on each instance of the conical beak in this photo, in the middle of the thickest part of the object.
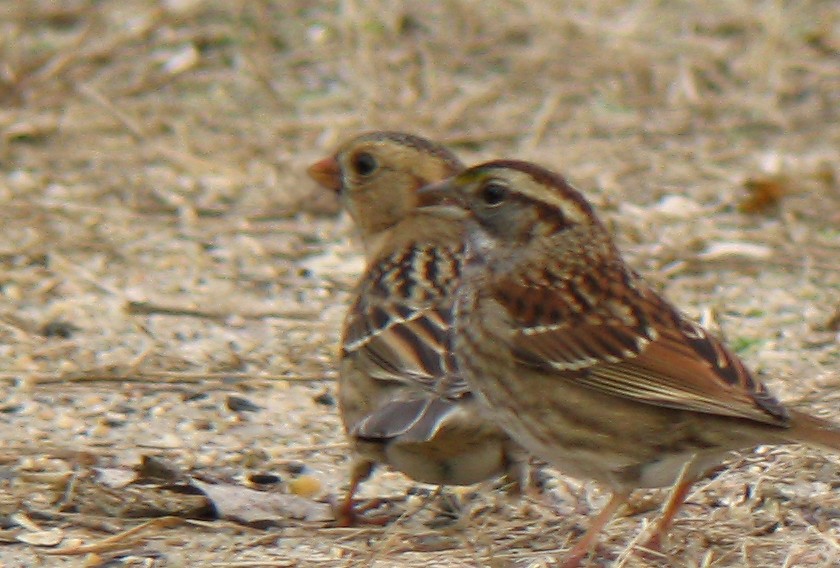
(443, 200)
(327, 173)
(440, 193)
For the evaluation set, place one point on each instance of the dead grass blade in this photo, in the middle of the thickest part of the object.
(117, 541)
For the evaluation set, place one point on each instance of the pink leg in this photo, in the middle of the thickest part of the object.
(346, 515)
(672, 507)
(590, 538)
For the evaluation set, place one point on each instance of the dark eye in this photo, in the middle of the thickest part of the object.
(493, 193)
(364, 163)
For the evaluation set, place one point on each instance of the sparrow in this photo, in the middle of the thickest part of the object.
(402, 400)
(582, 361)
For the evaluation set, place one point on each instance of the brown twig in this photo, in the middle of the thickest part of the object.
(166, 377)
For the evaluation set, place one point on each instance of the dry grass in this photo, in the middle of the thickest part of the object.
(163, 249)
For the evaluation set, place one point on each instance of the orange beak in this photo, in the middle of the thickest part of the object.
(327, 173)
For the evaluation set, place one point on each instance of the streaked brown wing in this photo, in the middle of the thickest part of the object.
(648, 352)
(400, 327)
(394, 342)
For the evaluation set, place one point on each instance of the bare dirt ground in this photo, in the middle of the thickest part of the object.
(172, 285)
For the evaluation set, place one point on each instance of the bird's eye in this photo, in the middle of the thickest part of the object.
(364, 163)
(493, 193)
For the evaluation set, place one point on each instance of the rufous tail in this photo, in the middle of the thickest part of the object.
(813, 431)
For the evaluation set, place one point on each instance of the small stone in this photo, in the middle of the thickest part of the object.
(678, 207)
(264, 478)
(58, 328)
(325, 399)
(295, 468)
(239, 404)
(305, 486)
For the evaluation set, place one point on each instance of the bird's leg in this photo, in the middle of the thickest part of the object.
(590, 538)
(518, 478)
(449, 507)
(346, 514)
(672, 507)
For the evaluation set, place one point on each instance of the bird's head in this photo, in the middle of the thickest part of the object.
(377, 175)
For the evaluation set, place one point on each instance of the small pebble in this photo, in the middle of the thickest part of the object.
(58, 328)
(239, 404)
(264, 478)
(295, 468)
(325, 399)
(305, 486)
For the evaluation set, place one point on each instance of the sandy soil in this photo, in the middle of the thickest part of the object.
(172, 285)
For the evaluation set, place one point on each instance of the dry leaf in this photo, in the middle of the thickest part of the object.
(115, 478)
(250, 506)
(24, 521)
(764, 194)
(42, 538)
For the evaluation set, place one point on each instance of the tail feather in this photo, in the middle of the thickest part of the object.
(813, 431)
(416, 420)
